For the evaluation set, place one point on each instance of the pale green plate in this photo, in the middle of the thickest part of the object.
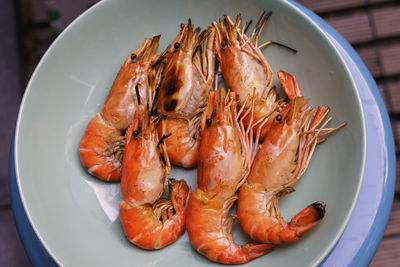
(76, 216)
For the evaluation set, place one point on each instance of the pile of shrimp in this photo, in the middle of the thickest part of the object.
(250, 146)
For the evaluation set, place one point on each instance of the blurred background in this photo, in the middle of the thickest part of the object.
(28, 27)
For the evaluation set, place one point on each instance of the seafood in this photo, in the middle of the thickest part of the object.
(150, 222)
(223, 165)
(244, 67)
(281, 160)
(183, 92)
(101, 146)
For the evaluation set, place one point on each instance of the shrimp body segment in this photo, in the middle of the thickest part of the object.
(222, 167)
(150, 222)
(281, 160)
(182, 148)
(102, 144)
(187, 79)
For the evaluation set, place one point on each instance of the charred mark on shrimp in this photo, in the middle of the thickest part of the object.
(170, 105)
(171, 88)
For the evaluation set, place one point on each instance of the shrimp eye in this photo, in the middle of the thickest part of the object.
(177, 45)
(209, 121)
(136, 132)
(133, 56)
(279, 117)
(224, 43)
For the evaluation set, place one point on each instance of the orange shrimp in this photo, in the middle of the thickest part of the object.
(150, 222)
(281, 160)
(223, 165)
(101, 146)
(187, 79)
(244, 67)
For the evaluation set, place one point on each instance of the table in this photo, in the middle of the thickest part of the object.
(364, 231)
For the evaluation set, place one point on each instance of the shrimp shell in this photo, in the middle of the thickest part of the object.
(101, 146)
(183, 93)
(281, 160)
(224, 162)
(150, 222)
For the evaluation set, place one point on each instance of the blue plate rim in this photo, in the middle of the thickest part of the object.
(322, 31)
(371, 241)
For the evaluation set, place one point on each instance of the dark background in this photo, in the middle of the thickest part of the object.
(28, 27)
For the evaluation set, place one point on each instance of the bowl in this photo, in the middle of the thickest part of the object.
(75, 216)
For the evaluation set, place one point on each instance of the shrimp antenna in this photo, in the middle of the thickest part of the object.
(153, 110)
(203, 35)
(279, 44)
(137, 94)
(261, 22)
(257, 29)
(248, 26)
(165, 136)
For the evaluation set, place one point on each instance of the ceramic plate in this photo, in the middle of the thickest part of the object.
(76, 216)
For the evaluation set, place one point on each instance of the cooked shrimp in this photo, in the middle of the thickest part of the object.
(187, 79)
(243, 66)
(150, 222)
(101, 147)
(223, 165)
(281, 160)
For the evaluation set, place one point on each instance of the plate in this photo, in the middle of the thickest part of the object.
(76, 216)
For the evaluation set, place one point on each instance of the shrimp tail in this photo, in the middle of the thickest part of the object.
(154, 226)
(209, 230)
(289, 84)
(262, 228)
(304, 221)
(180, 194)
(255, 250)
(244, 254)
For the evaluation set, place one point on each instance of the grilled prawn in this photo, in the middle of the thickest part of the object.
(101, 146)
(281, 160)
(243, 66)
(223, 165)
(150, 222)
(183, 93)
